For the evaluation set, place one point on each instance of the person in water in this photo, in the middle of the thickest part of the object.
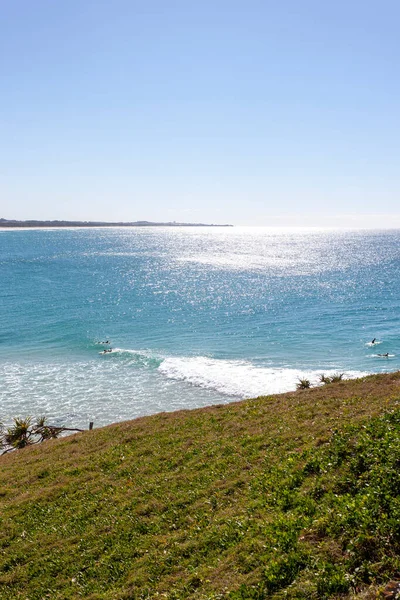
(373, 341)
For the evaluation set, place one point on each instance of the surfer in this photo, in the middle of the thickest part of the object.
(373, 341)
(107, 350)
(384, 355)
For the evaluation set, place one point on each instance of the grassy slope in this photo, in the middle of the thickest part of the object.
(289, 496)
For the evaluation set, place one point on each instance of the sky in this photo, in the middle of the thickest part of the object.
(251, 112)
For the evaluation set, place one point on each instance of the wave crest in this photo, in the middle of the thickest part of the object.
(240, 378)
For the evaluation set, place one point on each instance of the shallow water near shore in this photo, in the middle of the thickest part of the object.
(194, 316)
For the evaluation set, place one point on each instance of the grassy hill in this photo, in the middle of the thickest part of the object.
(287, 496)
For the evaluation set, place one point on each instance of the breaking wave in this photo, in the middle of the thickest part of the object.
(240, 378)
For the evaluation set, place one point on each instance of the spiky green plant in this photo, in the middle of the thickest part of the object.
(337, 377)
(332, 379)
(303, 384)
(19, 434)
(23, 433)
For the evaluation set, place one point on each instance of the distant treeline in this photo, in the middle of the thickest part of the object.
(33, 223)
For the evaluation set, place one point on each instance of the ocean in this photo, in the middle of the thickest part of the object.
(194, 316)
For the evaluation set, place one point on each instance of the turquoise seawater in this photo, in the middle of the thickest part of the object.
(194, 316)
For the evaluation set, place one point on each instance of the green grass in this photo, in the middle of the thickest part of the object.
(289, 496)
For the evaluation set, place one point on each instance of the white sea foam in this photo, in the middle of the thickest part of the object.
(240, 378)
(118, 386)
(140, 357)
(126, 383)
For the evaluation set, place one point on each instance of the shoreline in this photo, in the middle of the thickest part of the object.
(239, 400)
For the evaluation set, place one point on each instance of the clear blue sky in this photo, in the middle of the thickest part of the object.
(247, 112)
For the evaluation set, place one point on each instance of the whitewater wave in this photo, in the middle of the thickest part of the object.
(240, 378)
(139, 357)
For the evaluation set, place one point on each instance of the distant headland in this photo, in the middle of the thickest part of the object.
(33, 223)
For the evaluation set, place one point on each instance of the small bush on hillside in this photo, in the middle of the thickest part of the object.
(332, 379)
(337, 377)
(303, 384)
